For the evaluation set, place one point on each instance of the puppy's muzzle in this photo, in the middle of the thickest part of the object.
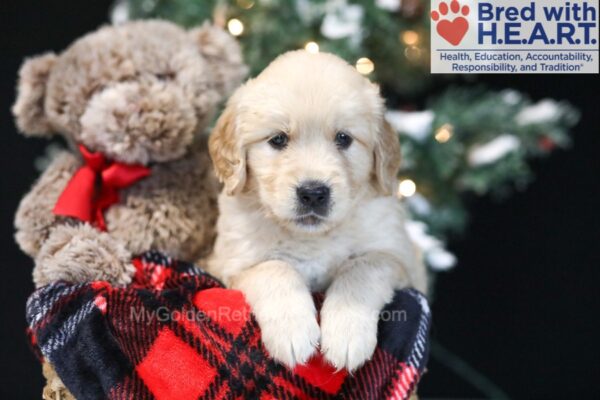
(314, 199)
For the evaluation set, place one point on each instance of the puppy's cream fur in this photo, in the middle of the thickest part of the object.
(359, 254)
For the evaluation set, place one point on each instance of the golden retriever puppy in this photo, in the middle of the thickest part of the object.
(309, 170)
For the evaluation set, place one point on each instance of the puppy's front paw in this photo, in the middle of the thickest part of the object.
(290, 335)
(348, 337)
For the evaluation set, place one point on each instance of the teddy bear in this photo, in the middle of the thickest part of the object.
(132, 102)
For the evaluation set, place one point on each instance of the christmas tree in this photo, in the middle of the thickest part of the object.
(467, 140)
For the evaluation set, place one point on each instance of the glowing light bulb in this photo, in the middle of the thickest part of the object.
(410, 38)
(235, 27)
(413, 53)
(407, 188)
(245, 4)
(444, 133)
(365, 66)
(312, 47)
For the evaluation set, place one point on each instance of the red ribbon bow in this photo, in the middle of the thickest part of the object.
(95, 187)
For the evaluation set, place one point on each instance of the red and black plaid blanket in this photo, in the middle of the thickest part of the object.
(176, 333)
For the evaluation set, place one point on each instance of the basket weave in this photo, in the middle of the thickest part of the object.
(54, 389)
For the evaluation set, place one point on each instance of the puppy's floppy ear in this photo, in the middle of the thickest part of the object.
(387, 158)
(227, 152)
(31, 93)
(224, 55)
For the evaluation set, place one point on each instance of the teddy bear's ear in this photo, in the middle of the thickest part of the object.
(224, 54)
(31, 93)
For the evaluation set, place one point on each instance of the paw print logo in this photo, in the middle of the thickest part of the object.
(451, 30)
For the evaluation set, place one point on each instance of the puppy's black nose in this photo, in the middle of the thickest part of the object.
(314, 196)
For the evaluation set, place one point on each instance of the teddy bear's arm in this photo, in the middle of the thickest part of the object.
(80, 253)
(64, 248)
(34, 217)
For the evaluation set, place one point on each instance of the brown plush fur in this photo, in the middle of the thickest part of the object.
(80, 253)
(143, 92)
(34, 217)
(173, 210)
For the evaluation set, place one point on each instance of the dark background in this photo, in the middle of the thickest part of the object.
(521, 307)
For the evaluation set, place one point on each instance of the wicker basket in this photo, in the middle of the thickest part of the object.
(54, 389)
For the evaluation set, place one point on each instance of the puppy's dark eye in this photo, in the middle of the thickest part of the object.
(279, 141)
(343, 140)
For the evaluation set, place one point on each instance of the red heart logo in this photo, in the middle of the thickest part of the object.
(453, 31)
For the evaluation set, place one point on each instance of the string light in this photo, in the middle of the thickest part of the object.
(413, 53)
(312, 47)
(410, 38)
(365, 66)
(245, 4)
(444, 133)
(407, 188)
(235, 27)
